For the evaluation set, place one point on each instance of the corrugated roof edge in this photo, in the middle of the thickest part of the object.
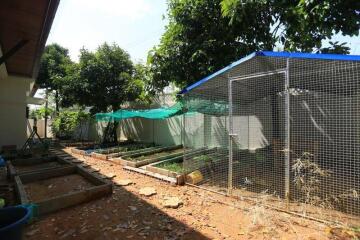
(340, 57)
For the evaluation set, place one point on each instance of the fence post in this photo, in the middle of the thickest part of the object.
(287, 136)
(230, 170)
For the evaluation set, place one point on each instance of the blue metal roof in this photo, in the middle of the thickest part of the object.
(339, 57)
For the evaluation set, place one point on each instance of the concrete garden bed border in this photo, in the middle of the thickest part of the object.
(176, 176)
(180, 177)
(124, 160)
(100, 189)
(85, 150)
(139, 151)
(11, 165)
(121, 146)
(103, 156)
(149, 160)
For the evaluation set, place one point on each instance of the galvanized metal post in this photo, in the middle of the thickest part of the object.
(287, 135)
(183, 130)
(231, 134)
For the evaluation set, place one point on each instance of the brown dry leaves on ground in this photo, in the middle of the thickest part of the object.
(202, 215)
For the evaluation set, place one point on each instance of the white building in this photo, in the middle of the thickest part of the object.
(24, 28)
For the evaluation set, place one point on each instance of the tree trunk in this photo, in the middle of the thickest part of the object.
(116, 124)
(56, 101)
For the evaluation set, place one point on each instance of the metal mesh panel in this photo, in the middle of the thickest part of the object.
(259, 136)
(324, 132)
(206, 134)
(294, 134)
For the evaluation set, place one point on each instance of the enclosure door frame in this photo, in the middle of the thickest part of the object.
(232, 134)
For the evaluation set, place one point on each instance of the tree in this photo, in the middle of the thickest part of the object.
(205, 35)
(103, 80)
(302, 25)
(41, 113)
(67, 121)
(53, 66)
(199, 40)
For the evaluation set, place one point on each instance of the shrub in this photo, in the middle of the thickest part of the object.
(66, 122)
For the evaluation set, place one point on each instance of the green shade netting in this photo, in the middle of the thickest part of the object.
(192, 106)
(157, 113)
(209, 107)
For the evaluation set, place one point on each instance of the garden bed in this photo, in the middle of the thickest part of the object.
(55, 189)
(36, 151)
(174, 168)
(21, 166)
(87, 150)
(118, 151)
(153, 155)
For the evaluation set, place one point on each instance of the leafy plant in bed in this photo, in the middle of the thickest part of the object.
(172, 166)
(154, 155)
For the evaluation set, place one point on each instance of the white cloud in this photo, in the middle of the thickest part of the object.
(133, 9)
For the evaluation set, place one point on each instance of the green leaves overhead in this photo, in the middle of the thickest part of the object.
(301, 25)
(203, 36)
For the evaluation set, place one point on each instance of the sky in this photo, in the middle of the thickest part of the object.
(135, 25)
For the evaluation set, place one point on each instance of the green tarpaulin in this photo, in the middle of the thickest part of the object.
(158, 113)
(190, 106)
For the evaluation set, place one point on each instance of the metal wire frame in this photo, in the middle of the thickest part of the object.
(317, 112)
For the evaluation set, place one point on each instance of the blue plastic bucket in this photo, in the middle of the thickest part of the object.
(12, 221)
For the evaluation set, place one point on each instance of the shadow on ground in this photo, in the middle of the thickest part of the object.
(122, 215)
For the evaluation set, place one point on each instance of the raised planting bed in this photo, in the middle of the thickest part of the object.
(91, 148)
(173, 167)
(28, 153)
(55, 189)
(21, 166)
(154, 155)
(107, 153)
(170, 167)
(69, 143)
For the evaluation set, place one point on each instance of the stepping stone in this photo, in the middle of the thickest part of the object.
(172, 202)
(147, 191)
(123, 182)
(110, 175)
(94, 169)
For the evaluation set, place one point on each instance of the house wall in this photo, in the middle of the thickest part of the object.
(40, 127)
(13, 126)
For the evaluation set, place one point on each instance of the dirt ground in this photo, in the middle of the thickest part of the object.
(203, 215)
(48, 188)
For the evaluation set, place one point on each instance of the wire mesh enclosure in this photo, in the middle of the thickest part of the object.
(283, 126)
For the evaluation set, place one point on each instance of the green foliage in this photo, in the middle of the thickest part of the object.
(66, 122)
(203, 36)
(203, 158)
(199, 41)
(172, 166)
(41, 113)
(301, 25)
(336, 47)
(54, 65)
(103, 79)
(142, 76)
